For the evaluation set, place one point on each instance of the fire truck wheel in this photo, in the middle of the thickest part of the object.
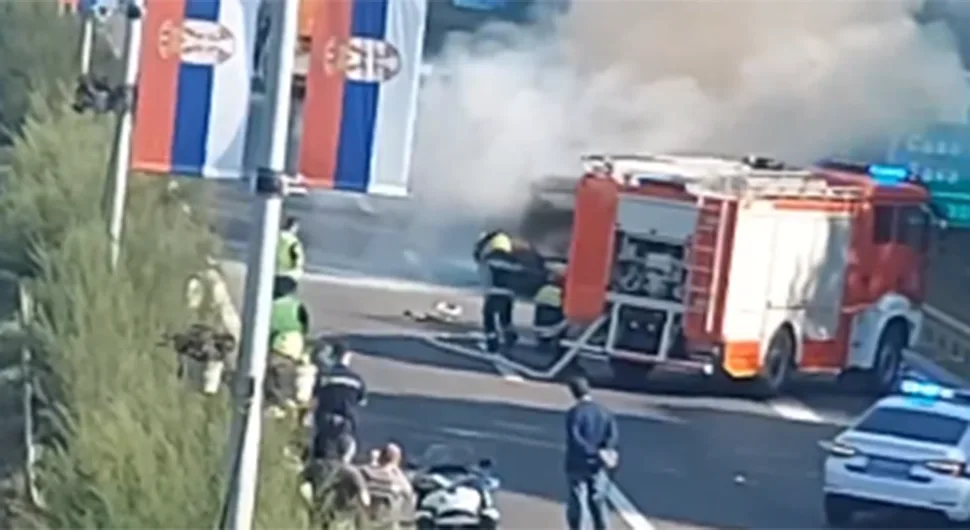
(630, 375)
(881, 378)
(778, 363)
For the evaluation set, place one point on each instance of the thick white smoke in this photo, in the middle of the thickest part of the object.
(796, 80)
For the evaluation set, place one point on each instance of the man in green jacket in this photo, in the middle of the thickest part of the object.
(288, 329)
(290, 258)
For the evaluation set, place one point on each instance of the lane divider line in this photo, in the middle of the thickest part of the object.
(508, 373)
(626, 510)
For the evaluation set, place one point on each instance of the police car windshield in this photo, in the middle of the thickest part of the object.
(919, 425)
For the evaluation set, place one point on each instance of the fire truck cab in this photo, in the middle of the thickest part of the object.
(747, 268)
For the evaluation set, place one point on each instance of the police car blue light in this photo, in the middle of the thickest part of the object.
(888, 174)
(926, 390)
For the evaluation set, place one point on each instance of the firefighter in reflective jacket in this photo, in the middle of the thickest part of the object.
(288, 328)
(548, 320)
(289, 251)
(497, 266)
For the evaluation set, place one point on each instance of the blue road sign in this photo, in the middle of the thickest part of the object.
(940, 156)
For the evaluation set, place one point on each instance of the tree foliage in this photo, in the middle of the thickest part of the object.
(127, 445)
(38, 51)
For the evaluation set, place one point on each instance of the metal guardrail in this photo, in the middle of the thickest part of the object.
(25, 314)
(945, 339)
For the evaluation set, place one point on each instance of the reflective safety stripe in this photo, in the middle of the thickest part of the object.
(548, 332)
(340, 380)
(499, 291)
(503, 264)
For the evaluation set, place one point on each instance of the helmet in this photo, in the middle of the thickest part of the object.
(483, 239)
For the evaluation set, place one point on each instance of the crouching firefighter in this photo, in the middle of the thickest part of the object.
(498, 267)
(288, 328)
(549, 320)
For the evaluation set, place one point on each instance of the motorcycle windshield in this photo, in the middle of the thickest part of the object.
(446, 455)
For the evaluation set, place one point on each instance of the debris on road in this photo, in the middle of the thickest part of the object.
(442, 311)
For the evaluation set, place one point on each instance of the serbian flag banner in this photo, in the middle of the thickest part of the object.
(194, 87)
(362, 95)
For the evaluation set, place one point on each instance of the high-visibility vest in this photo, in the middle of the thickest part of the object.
(285, 327)
(549, 295)
(285, 263)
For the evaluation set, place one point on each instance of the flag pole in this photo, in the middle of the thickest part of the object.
(269, 190)
(87, 43)
(133, 12)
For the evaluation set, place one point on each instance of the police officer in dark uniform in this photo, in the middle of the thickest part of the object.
(339, 393)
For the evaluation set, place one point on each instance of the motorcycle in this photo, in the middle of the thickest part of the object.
(452, 491)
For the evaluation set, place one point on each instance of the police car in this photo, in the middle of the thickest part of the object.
(910, 450)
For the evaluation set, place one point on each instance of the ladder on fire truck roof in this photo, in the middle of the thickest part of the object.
(708, 175)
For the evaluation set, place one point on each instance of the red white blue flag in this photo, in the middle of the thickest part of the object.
(194, 87)
(362, 95)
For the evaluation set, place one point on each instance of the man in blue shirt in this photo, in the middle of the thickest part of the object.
(592, 440)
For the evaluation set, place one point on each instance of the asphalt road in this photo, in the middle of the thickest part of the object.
(694, 456)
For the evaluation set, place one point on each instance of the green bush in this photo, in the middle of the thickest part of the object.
(135, 449)
(129, 446)
(38, 50)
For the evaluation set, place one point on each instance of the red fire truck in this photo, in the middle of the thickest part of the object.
(747, 268)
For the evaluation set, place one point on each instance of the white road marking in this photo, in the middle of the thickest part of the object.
(507, 372)
(626, 510)
(794, 410)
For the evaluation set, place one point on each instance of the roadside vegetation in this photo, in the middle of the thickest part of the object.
(125, 443)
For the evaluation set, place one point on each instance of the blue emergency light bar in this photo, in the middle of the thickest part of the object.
(882, 173)
(888, 174)
(926, 390)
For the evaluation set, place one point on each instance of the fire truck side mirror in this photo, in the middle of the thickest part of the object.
(938, 235)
